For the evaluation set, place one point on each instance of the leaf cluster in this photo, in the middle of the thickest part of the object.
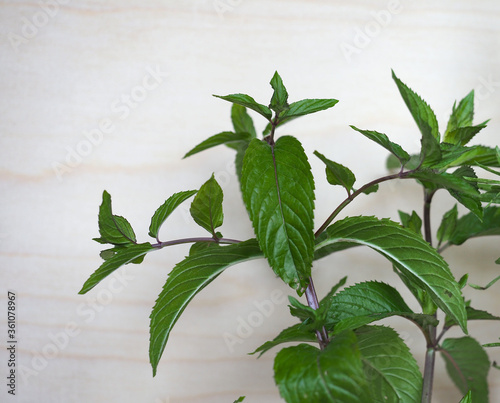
(341, 355)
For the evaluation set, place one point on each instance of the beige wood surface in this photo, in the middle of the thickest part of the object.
(110, 95)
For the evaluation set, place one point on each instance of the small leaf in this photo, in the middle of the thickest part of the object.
(383, 140)
(487, 285)
(448, 225)
(390, 368)
(206, 208)
(278, 191)
(240, 399)
(280, 96)
(468, 365)
(162, 213)
(337, 174)
(461, 116)
(472, 314)
(304, 373)
(248, 102)
(186, 280)
(295, 333)
(470, 226)
(409, 252)
(426, 121)
(467, 398)
(114, 229)
(463, 135)
(122, 256)
(306, 107)
(412, 222)
(218, 139)
(242, 122)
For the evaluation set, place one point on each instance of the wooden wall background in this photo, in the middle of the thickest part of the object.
(110, 95)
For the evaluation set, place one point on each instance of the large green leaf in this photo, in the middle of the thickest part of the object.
(468, 365)
(162, 213)
(406, 250)
(305, 374)
(383, 140)
(278, 191)
(120, 257)
(206, 208)
(218, 139)
(187, 279)
(113, 229)
(248, 102)
(390, 368)
(426, 121)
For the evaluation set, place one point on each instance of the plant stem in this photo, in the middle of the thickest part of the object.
(312, 301)
(160, 245)
(350, 198)
(430, 356)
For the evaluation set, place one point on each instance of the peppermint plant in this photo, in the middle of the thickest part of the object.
(339, 353)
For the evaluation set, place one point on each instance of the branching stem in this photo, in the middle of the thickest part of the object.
(312, 301)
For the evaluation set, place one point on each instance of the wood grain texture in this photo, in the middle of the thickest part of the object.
(110, 96)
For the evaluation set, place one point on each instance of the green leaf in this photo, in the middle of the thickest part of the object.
(456, 155)
(412, 222)
(122, 256)
(278, 191)
(406, 250)
(240, 399)
(248, 102)
(337, 174)
(187, 279)
(460, 188)
(470, 226)
(390, 368)
(206, 208)
(365, 303)
(114, 229)
(463, 135)
(333, 291)
(162, 213)
(467, 398)
(218, 139)
(461, 116)
(426, 121)
(242, 122)
(295, 333)
(306, 374)
(305, 107)
(383, 140)
(487, 285)
(472, 314)
(468, 365)
(280, 96)
(448, 225)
